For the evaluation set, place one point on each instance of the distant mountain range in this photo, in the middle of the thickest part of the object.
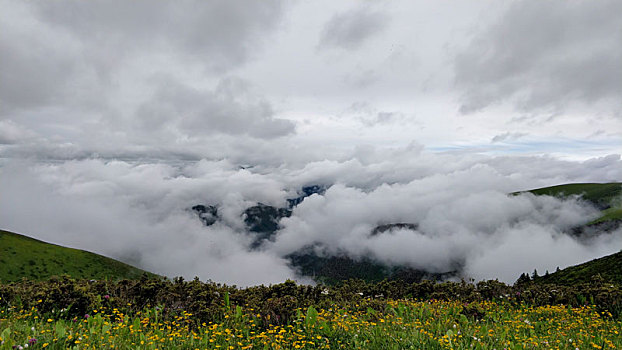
(263, 221)
(22, 256)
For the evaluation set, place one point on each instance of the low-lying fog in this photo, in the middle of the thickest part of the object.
(138, 212)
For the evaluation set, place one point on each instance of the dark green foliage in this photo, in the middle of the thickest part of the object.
(524, 278)
(25, 257)
(280, 303)
(331, 270)
(473, 311)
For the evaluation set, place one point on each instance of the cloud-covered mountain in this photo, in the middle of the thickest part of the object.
(457, 204)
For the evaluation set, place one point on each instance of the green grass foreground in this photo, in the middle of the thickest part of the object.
(402, 324)
(63, 313)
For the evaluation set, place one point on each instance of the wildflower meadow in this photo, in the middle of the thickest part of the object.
(63, 313)
(402, 324)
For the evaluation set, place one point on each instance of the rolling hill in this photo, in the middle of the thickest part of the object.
(606, 196)
(22, 256)
(608, 267)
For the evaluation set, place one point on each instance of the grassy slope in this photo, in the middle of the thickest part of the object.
(609, 267)
(607, 196)
(594, 192)
(614, 213)
(22, 256)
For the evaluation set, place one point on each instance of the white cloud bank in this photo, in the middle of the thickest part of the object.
(138, 212)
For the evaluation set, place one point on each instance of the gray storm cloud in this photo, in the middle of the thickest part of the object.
(350, 29)
(545, 55)
(83, 77)
(230, 108)
(52, 51)
(151, 79)
(138, 212)
(221, 32)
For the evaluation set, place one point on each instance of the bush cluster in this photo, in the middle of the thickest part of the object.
(278, 304)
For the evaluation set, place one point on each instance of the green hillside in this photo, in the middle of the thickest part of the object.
(22, 256)
(606, 196)
(603, 195)
(609, 268)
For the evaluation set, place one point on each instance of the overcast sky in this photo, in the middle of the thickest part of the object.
(116, 116)
(219, 78)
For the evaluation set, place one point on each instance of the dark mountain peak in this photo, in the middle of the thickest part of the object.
(305, 192)
(263, 221)
(264, 218)
(313, 189)
(207, 213)
(395, 226)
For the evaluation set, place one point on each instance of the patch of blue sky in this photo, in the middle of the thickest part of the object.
(566, 148)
